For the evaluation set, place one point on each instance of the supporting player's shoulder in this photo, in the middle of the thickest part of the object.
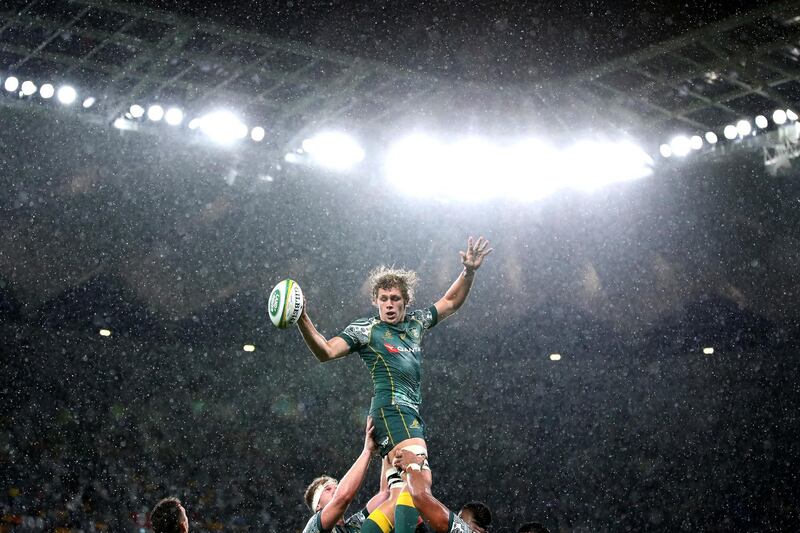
(457, 525)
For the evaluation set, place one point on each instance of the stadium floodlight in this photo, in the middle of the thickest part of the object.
(123, 124)
(47, 91)
(555, 357)
(680, 145)
(249, 348)
(414, 163)
(334, 149)
(730, 132)
(779, 117)
(66, 94)
(762, 122)
(743, 127)
(155, 112)
(696, 142)
(708, 350)
(89, 102)
(589, 165)
(791, 115)
(28, 88)
(257, 134)
(11, 84)
(136, 111)
(665, 150)
(711, 137)
(173, 116)
(222, 127)
(194, 123)
(527, 171)
(105, 332)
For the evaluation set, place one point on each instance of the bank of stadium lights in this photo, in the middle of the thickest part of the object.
(28, 88)
(173, 116)
(66, 94)
(249, 348)
(682, 145)
(89, 102)
(105, 332)
(155, 113)
(475, 169)
(334, 150)
(708, 350)
(555, 357)
(47, 91)
(11, 84)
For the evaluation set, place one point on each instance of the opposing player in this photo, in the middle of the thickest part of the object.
(439, 517)
(328, 499)
(389, 345)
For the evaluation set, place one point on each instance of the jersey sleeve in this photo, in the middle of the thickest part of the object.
(457, 525)
(314, 524)
(357, 520)
(357, 333)
(428, 317)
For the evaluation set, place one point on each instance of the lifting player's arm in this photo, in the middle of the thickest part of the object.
(384, 493)
(350, 482)
(456, 295)
(322, 348)
(419, 486)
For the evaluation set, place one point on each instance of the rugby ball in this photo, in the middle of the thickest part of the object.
(285, 303)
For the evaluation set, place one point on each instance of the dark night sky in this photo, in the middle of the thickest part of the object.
(165, 242)
(481, 41)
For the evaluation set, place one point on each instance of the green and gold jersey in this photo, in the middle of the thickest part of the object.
(393, 355)
(351, 525)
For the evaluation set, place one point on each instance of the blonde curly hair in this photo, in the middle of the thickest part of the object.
(384, 277)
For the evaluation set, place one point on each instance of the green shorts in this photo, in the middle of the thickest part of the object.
(394, 424)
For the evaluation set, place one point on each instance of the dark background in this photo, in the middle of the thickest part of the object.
(174, 250)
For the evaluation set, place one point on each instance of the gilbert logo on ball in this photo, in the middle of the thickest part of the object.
(285, 303)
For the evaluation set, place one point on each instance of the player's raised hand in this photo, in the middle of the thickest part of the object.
(476, 252)
(369, 439)
(405, 457)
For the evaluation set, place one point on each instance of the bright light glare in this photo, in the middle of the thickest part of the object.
(257, 134)
(47, 91)
(762, 122)
(89, 102)
(123, 124)
(791, 115)
(105, 332)
(194, 123)
(28, 88)
(708, 351)
(335, 150)
(475, 169)
(136, 111)
(222, 127)
(249, 348)
(730, 132)
(711, 137)
(743, 127)
(173, 116)
(11, 84)
(666, 150)
(155, 112)
(555, 357)
(590, 165)
(66, 94)
(680, 145)
(696, 142)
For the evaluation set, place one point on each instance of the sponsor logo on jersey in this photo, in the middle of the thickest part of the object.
(414, 424)
(385, 441)
(387, 335)
(392, 349)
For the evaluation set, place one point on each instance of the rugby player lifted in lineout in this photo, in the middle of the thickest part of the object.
(389, 345)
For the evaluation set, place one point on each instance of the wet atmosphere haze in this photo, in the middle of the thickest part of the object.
(173, 245)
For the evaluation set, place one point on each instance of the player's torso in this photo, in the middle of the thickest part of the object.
(393, 356)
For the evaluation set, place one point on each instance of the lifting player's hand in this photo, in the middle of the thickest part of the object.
(405, 457)
(369, 439)
(476, 251)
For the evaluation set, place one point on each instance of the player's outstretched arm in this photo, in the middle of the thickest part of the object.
(383, 493)
(419, 486)
(457, 294)
(350, 482)
(322, 348)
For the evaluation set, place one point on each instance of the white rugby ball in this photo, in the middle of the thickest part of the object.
(285, 303)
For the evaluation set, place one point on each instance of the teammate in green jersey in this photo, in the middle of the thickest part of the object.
(328, 499)
(473, 518)
(389, 345)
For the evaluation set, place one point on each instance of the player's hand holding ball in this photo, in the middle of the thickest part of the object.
(286, 303)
